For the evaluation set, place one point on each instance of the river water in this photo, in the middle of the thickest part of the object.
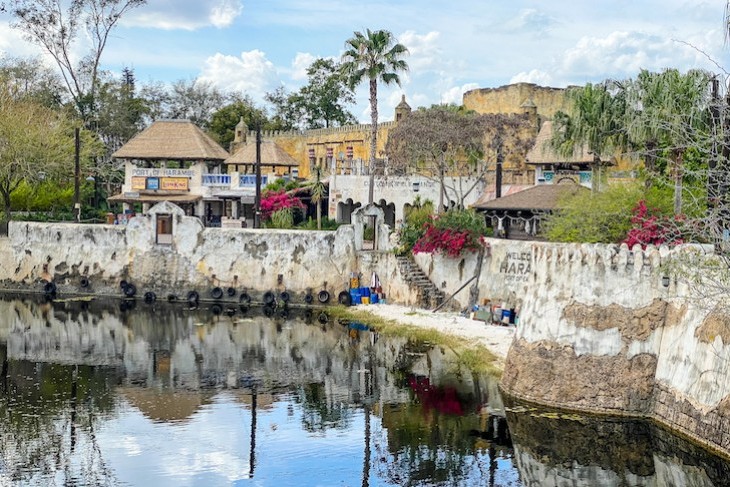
(110, 393)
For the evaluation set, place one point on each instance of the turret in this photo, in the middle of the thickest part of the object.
(402, 110)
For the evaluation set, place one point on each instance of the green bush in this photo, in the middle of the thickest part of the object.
(283, 218)
(603, 217)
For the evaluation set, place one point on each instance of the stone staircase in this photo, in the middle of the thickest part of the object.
(429, 294)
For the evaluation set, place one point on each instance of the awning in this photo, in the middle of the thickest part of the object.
(154, 198)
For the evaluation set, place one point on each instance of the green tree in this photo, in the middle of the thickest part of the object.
(223, 121)
(29, 78)
(373, 56)
(324, 99)
(286, 115)
(447, 141)
(37, 142)
(57, 29)
(595, 121)
(121, 113)
(669, 113)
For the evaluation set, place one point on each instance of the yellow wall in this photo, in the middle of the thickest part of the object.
(510, 98)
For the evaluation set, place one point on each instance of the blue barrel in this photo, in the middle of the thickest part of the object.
(374, 298)
(365, 292)
(355, 295)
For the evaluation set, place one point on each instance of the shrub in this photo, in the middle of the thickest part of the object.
(273, 201)
(650, 227)
(452, 233)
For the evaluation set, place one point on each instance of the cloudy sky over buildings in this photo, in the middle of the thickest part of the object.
(255, 46)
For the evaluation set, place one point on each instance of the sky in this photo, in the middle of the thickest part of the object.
(255, 46)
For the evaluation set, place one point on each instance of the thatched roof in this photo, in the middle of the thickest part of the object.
(172, 140)
(543, 197)
(543, 153)
(271, 155)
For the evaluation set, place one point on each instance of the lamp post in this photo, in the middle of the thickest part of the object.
(77, 174)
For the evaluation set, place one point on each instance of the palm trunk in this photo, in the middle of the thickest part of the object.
(373, 136)
(319, 214)
(678, 174)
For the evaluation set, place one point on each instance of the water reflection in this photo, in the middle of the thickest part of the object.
(136, 394)
(110, 394)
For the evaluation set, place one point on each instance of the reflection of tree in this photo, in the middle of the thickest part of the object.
(319, 412)
(44, 434)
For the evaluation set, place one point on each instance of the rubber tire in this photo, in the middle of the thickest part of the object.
(150, 297)
(193, 297)
(244, 299)
(323, 296)
(84, 282)
(49, 288)
(216, 293)
(130, 290)
(231, 291)
(344, 298)
(284, 296)
(269, 297)
(308, 298)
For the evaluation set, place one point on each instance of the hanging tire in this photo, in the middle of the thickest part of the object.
(344, 298)
(216, 293)
(193, 297)
(323, 296)
(231, 291)
(284, 296)
(269, 297)
(123, 285)
(150, 297)
(130, 290)
(84, 282)
(49, 288)
(308, 298)
(244, 299)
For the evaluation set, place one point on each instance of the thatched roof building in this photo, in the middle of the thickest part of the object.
(271, 155)
(172, 140)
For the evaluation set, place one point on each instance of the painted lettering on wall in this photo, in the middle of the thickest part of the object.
(516, 266)
(162, 171)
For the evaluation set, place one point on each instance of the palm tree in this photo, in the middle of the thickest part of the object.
(668, 112)
(317, 190)
(595, 122)
(375, 56)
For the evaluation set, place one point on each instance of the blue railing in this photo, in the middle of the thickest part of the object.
(216, 180)
(249, 180)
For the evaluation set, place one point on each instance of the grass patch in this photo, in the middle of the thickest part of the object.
(476, 358)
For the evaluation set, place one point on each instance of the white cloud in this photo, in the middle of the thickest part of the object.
(185, 14)
(531, 21)
(455, 94)
(424, 50)
(533, 76)
(250, 73)
(300, 64)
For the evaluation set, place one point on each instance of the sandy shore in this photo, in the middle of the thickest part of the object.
(494, 337)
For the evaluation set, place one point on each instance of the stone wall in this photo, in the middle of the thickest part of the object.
(601, 330)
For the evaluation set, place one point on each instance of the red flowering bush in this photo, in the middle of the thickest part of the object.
(274, 201)
(650, 227)
(451, 233)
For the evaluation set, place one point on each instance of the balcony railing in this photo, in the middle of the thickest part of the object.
(217, 180)
(249, 180)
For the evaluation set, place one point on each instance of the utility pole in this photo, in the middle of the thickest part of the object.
(77, 174)
(257, 201)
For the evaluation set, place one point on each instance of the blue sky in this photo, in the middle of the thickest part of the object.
(257, 45)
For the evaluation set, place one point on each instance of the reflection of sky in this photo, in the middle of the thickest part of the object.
(213, 448)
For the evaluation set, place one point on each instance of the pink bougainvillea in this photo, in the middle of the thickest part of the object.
(449, 241)
(652, 228)
(274, 201)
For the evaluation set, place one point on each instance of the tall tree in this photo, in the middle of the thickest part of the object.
(36, 142)
(373, 56)
(286, 115)
(28, 78)
(445, 141)
(325, 97)
(595, 121)
(223, 122)
(56, 26)
(668, 114)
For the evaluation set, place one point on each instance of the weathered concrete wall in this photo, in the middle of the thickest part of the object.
(599, 331)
